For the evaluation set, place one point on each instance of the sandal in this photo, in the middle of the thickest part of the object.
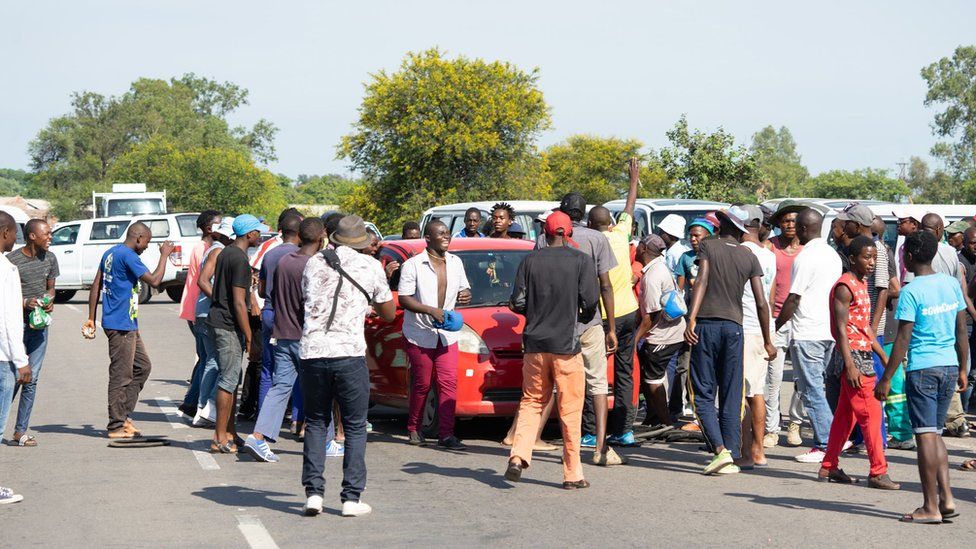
(949, 513)
(913, 519)
(225, 448)
(24, 440)
(968, 465)
(576, 485)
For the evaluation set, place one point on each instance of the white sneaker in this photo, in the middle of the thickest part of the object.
(313, 506)
(335, 449)
(206, 416)
(355, 508)
(8, 496)
(815, 455)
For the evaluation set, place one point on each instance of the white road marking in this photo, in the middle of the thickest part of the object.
(206, 461)
(73, 308)
(172, 414)
(255, 533)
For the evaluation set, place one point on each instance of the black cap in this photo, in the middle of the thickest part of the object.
(573, 201)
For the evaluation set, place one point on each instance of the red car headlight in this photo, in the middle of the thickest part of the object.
(470, 342)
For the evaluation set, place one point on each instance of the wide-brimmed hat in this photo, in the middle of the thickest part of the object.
(787, 206)
(350, 232)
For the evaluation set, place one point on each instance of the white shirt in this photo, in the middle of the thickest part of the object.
(673, 254)
(750, 317)
(418, 280)
(319, 282)
(815, 270)
(12, 316)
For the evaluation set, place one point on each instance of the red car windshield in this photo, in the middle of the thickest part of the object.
(491, 275)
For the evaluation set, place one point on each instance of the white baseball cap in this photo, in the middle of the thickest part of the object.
(226, 227)
(674, 225)
(906, 212)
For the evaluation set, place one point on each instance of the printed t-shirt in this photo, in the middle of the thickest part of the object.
(121, 270)
(931, 302)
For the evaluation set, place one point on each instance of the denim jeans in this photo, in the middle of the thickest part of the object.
(287, 365)
(193, 392)
(783, 340)
(208, 372)
(8, 380)
(810, 362)
(716, 374)
(35, 341)
(267, 356)
(346, 380)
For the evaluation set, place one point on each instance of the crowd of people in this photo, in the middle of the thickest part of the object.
(710, 325)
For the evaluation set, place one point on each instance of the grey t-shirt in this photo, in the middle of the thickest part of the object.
(35, 271)
(594, 244)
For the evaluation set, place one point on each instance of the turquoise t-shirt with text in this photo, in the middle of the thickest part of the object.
(932, 303)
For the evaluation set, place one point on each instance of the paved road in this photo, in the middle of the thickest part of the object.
(81, 493)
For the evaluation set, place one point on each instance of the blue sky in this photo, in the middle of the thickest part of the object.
(843, 76)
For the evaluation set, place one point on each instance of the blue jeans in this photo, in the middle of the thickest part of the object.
(193, 392)
(346, 380)
(716, 371)
(810, 362)
(287, 365)
(35, 342)
(267, 356)
(929, 392)
(207, 349)
(8, 380)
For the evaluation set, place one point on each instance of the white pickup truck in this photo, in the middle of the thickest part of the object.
(79, 246)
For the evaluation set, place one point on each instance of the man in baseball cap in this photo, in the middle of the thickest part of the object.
(954, 233)
(671, 229)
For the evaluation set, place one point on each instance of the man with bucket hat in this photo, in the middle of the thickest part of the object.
(431, 284)
(340, 284)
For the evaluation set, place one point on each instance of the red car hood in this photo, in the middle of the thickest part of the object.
(500, 328)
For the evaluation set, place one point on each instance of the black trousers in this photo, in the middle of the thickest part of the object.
(623, 414)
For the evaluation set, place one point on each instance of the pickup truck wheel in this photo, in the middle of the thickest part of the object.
(145, 293)
(175, 293)
(64, 296)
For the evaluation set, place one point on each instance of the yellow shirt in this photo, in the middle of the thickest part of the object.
(624, 301)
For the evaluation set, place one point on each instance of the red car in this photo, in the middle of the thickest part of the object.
(490, 344)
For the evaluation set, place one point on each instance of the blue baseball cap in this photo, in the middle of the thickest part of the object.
(453, 322)
(246, 223)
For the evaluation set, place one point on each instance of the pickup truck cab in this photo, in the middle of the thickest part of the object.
(79, 246)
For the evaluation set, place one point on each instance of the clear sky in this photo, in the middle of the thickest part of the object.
(843, 76)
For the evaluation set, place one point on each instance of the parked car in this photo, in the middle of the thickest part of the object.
(490, 344)
(648, 212)
(20, 217)
(79, 246)
(526, 214)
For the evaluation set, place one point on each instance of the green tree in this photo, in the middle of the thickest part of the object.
(866, 184)
(323, 189)
(441, 130)
(15, 183)
(201, 178)
(594, 166)
(74, 153)
(930, 187)
(952, 85)
(781, 171)
(709, 165)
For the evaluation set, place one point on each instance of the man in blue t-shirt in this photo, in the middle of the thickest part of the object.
(119, 274)
(932, 331)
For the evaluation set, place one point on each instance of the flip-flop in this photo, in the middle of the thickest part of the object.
(139, 442)
(950, 514)
(968, 465)
(761, 465)
(910, 518)
(25, 440)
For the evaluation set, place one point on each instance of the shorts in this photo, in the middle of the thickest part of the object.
(229, 345)
(654, 360)
(594, 345)
(754, 364)
(929, 392)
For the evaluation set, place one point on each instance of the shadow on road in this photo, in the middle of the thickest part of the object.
(87, 430)
(489, 477)
(817, 505)
(239, 496)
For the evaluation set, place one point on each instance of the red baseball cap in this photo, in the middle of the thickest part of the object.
(558, 220)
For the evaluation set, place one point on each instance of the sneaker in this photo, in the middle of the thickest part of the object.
(793, 437)
(687, 412)
(8, 496)
(608, 458)
(188, 410)
(588, 441)
(729, 470)
(355, 509)
(901, 444)
(313, 506)
(770, 440)
(626, 439)
(335, 449)
(855, 449)
(259, 450)
(883, 482)
(369, 427)
(815, 455)
(719, 462)
(451, 443)
(415, 438)
(206, 416)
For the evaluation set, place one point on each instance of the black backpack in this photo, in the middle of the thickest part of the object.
(332, 258)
